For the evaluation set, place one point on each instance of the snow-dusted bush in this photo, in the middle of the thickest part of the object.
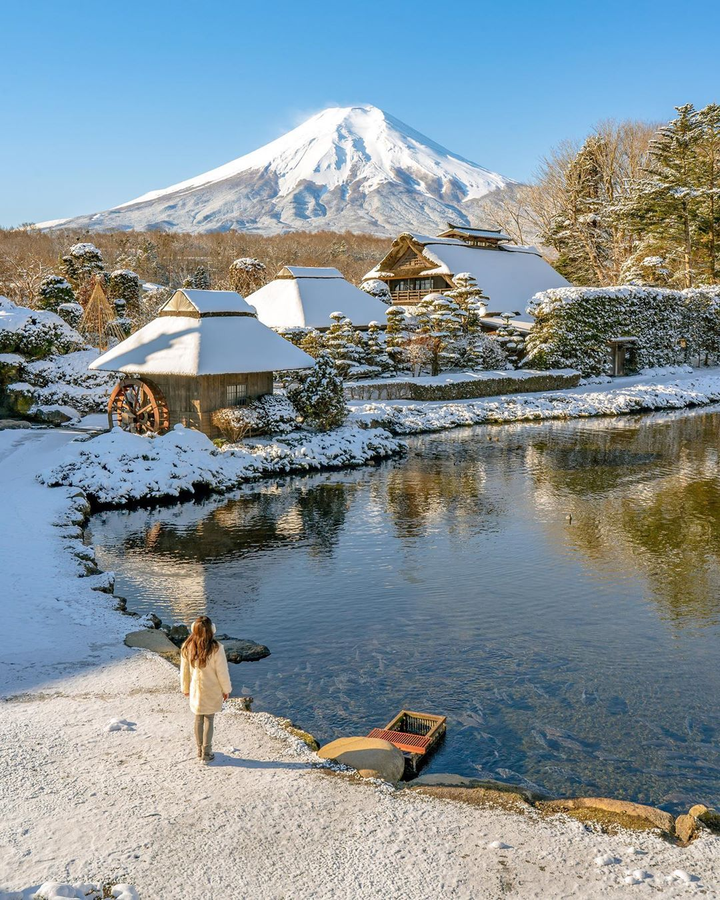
(66, 381)
(54, 291)
(271, 414)
(70, 313)
(318, 396)
(81, 263)
(377, 289)
(573, 326)
(35, 333)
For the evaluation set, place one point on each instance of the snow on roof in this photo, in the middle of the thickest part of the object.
(208, 345)
(308, 272)
(207, 303)
(492, 233)
(309, 300)
(510, 276)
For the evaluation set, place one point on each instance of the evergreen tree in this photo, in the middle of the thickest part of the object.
(313, 343)
(54, 290)
(319, 397)
(246, 275)
(470, 299)
(81, 266)
(668, 201)
(708, 164)
(375, 354)
(199, 280)
(395, 335)
(124, 291)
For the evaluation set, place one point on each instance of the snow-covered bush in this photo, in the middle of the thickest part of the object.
(271, 414)
(573, 326)
(70, 313)
(66, 381)
(35, 333)
(319, 397)
(377, 289)
(54, 291)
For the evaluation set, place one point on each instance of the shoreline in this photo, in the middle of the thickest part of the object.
(96, 670)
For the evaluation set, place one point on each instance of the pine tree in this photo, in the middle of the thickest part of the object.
(470, 299)
(199, 280)
(395, 335)
(667, 200)
(319, 397)
(375, 354)
(54, 290)
(708, 165)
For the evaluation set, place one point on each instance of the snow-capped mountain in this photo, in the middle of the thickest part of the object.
(354, 168)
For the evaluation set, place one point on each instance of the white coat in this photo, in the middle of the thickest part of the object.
(206, 686)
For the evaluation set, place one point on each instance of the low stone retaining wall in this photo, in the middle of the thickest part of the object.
(465, 388)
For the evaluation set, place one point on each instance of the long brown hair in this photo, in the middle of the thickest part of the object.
(201, 644)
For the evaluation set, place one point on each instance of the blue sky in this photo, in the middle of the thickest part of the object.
(104, 101)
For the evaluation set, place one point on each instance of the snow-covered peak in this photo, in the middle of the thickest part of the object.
(354, 168)
(341, 145)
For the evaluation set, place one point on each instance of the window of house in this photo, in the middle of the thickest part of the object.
(236, 394)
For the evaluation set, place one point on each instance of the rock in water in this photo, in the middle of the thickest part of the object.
(373, 758)
(239, 650)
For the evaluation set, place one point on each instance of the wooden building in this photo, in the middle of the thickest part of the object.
(508, 274)
(205, 351)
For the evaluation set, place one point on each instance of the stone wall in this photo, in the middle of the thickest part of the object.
(463, 390)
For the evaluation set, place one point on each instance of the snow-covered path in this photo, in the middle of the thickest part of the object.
(85, 804)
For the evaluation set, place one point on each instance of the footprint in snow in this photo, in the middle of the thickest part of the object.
(120, 725)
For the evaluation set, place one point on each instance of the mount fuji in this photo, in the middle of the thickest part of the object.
(347, 168)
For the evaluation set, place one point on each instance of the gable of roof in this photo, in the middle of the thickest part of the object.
(509, 276)
(492, 234)
(191, 302)
(308, 272)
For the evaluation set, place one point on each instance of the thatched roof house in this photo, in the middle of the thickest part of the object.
(306, 296)
(508, 274)
(206, 350)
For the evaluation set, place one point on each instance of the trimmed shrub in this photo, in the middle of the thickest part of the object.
(573, 326)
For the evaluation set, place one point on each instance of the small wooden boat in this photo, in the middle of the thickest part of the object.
(416, 734)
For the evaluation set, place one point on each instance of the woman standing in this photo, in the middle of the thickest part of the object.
(204, 677)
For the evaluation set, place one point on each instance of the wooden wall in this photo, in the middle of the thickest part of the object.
(192, 400)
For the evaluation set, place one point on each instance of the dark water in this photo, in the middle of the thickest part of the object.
(579, 655)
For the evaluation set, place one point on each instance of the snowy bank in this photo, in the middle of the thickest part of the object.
(117, 467)
(399, 418)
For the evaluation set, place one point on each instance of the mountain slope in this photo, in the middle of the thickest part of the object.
(354, 168)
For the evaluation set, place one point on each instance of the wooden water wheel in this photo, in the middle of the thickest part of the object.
(138, 405)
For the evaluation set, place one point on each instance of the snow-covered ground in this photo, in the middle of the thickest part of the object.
(86, 803)
(669, 388)
(118, 467)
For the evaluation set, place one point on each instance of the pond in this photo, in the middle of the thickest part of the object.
(553, 588)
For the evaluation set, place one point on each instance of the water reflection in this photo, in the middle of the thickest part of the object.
(551, 587)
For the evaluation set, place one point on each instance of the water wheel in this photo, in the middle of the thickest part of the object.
(138, 405)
